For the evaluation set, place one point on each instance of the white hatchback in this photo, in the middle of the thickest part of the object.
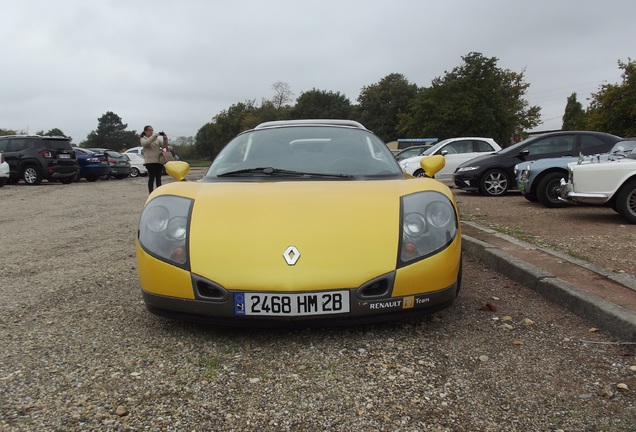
(455, 150)
(4, 171)
(137, 167)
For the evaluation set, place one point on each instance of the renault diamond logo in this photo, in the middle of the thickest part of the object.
(291, 255)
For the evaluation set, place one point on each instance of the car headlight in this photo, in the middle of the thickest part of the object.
(429, 224)
(163, 228)
(468, 168)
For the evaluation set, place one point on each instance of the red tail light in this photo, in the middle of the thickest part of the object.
(46, 154)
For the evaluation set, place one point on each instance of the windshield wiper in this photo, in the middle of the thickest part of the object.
(282, 172)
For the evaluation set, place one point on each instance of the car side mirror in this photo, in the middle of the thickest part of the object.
(444, 152)
(432, 164)
(524, 152)
(177, 169)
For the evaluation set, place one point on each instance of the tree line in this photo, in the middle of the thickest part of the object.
(476, 98)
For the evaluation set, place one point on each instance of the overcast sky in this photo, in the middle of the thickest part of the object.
(176, 64)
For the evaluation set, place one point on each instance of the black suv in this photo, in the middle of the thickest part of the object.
(34, 157)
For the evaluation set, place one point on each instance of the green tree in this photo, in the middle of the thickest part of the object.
(321, 104)
(574, 116)
(52, 132)
(4, 132)
(613, 108)
(477, 98)
(213, 136)
(111, 133)
(381, 104)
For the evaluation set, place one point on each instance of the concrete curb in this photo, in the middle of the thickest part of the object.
(605, 314)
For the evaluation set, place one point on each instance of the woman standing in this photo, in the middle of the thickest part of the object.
(152, 149)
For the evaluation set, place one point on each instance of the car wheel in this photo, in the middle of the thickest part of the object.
(31, 176)
(134, 172)
(494, 183)
(530, 198)
(626, 201)
(91, 178)
(68, 180)
(105, 177)
(419, 173)
(549, 190)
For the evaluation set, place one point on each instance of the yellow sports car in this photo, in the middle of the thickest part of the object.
(299, 221)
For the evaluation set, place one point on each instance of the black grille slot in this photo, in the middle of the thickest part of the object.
(377, 288)
(207, 290)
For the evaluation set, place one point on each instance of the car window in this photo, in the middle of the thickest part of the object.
(3, 145)
(19, 144)
(590, 145)
(554, 144)
(483, 146)
(57, 144)
(313, 150)
(461, 146)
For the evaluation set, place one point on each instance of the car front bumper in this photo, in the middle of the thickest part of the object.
(467, 181)
(360, 311)
(567, 194)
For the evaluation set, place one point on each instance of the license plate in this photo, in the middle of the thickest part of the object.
(64, 156)
(301, 304)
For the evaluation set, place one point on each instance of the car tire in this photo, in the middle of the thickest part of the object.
(626, 201)
(419, 173)
(530, 198)
(105, 177)
(91, 178)
(69, 180)
(549, 190)
(134, 172)
(31, 175)
(494, 183)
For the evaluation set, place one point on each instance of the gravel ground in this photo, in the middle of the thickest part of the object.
(592, 233)
(80, 352)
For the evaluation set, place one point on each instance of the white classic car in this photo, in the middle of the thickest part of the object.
(610, 182)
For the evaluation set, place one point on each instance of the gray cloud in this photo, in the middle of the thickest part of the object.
(177, 64)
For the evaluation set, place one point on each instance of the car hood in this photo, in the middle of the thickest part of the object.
(240, 230)
(485, 159)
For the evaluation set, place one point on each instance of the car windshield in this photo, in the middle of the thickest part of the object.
(435, 147)
(305, 152)
(625, 147)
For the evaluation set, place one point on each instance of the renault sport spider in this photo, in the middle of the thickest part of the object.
(304, 220)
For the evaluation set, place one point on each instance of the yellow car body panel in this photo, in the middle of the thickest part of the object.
(165, 279)
(240, 230)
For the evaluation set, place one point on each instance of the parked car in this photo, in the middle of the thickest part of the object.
(299, 221)
(610, 182)
(411, 151)
(136, 150)
(33, 158)
(493, 174)
(4, 171)
(540, 180)
(119, 164)
(455, 150)
(137, 167)
(91, 165)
